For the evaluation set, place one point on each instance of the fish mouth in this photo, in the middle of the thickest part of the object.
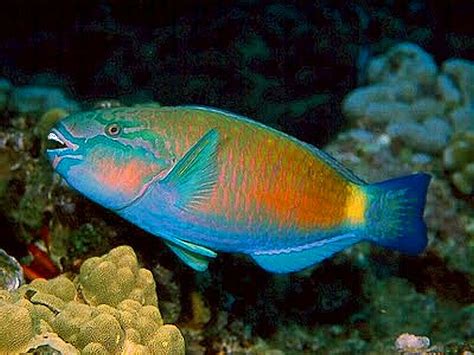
(57, 142)
(58, 147)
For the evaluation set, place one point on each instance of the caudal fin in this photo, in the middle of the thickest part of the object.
(395, 213)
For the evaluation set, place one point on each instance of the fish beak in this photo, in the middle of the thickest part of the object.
(54, 142)
(57, 142)
(58, 148)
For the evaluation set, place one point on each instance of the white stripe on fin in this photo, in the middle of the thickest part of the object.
(296, 259)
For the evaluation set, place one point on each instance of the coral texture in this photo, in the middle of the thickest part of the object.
(413, 101)
(458, 159)
(115, 277)
(111, 307)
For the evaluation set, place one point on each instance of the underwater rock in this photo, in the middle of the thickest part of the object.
(458, 159)
(53, 314)
(11, 274)
(33, 99)
(409, 343)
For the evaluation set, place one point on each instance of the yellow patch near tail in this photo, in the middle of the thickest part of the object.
(356, 205)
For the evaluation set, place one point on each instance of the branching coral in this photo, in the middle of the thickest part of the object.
(458, 159)
(412, 101)
(29, 99)
(110, 308)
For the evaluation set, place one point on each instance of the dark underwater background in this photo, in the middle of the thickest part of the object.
(386, 87)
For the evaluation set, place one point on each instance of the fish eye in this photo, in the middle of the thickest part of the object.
(113, 129)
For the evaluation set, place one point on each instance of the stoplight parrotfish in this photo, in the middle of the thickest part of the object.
(206, 180)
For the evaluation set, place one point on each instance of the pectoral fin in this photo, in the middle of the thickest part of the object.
(195, 174)
(193, 255)
(291, 260)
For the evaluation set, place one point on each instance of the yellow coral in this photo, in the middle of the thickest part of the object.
(167, 341)
(16, 327)
(68, 323)
(94, 349)
(63, 288)
(51, 313)
(93, 332)
(115, 277)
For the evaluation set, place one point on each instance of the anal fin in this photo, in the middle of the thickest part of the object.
(296, 259)
(193, 255)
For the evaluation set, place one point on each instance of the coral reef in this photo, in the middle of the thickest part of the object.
(274, 70)
(458, 159)
(124, 279)
(403, 62)
(32, 99)
(461, 71)
(31, 198)
(111, 307)
(413, 101)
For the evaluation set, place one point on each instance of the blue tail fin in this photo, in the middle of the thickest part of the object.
(395, 213)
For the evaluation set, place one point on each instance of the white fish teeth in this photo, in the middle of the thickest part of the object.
(52, 136)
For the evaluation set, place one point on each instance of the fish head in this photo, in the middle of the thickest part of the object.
(110, 156)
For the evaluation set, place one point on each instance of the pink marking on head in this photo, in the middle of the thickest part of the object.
(126, 178)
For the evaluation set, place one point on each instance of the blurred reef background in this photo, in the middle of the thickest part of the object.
(386, 87)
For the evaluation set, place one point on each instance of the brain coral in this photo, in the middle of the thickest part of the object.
(111, 307)
(116, 276)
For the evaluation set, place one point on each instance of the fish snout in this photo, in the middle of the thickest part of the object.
(57, 142)
(58, 147)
